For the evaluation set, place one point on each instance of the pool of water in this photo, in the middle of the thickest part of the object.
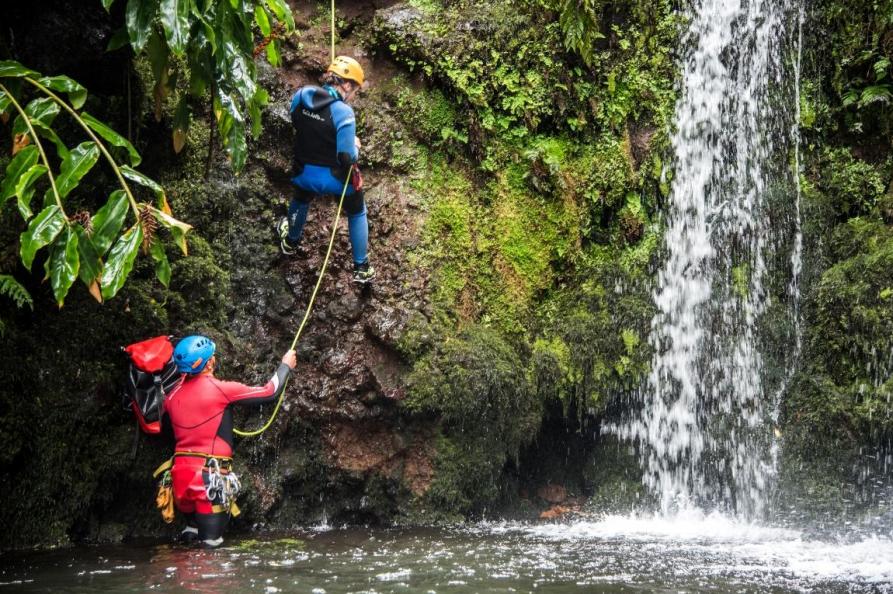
(611, 554)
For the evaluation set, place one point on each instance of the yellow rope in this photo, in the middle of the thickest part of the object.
(333, 31)
(294, 342)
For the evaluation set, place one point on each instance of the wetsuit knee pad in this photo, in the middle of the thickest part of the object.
(302, 196)
(354, 204)
(211, 528)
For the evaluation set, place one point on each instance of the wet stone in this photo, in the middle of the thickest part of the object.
(337, 364)
(347, 308)
(282, 303)
(400, 18)
(352, 409)
(387, 325)
(311, 348)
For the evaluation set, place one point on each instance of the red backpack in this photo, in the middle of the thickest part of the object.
(152, 374)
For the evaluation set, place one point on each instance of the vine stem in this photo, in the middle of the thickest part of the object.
(43, 155)
(212, 126)
(102, 149)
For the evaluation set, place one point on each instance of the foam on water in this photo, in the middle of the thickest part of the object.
(691, 525)
(743, 547)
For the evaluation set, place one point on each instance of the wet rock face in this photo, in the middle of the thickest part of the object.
(350, 377)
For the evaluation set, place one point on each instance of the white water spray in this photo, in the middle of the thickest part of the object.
(730, 283)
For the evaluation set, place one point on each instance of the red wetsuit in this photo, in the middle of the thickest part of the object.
(200, 415)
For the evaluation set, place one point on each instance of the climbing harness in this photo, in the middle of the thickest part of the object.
(223, 487)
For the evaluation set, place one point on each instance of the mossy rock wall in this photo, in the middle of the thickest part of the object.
(515, 189)
(836, 412)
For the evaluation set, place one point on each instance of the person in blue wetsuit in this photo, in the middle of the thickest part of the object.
(326, 149)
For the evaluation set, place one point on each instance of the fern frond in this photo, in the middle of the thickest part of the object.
(11, 288)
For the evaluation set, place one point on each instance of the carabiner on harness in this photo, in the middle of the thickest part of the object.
(223, 488)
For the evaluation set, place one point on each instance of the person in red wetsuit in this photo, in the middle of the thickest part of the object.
(199, 414)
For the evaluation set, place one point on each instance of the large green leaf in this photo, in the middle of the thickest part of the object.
(234, 21)
(107, 4)
(76, 166)
(178, 229)
(120, 261)
(162, 266)
(47, 132)
(159, 58)
(77, 94)
(231, 125)
(283, 13)
(182, 118)
(274, 56)
(119, 39)
(175, 21)
(263, 20)
(5, 101)
(63, 263)
(41, 230)
(238, 70)
(42, 109)
(112, 137)
(25, 189)
(11, 68)
(135, 176)
(91, 264)
(19, 164)
(108, 220)
(138, 17)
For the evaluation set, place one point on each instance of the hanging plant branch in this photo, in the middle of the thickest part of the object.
(43, 155)
(108, 132)
(91, 248)
(216, 40)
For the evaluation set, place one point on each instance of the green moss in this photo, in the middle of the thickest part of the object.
(426, 5)
(467, 476)
(853, 184)
(741, 280)
(475, 380)
(845, 388)
(477, 385)
(555, 371)
(432, 118)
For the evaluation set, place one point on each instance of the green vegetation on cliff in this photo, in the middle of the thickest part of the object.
(842, 393)
(539, 170)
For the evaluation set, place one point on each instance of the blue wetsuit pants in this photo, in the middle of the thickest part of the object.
(354, 208)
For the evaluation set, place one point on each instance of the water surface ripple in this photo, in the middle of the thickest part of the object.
(613, 554)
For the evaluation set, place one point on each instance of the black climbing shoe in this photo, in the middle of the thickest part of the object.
(189, 535)
(363, 273)
(285, 246)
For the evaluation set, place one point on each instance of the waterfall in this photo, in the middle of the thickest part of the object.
(726, 332)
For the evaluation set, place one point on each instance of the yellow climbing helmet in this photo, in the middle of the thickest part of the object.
(348, 69)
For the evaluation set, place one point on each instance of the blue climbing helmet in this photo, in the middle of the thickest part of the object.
(192, 353)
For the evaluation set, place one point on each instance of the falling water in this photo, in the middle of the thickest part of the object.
(726, 334)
